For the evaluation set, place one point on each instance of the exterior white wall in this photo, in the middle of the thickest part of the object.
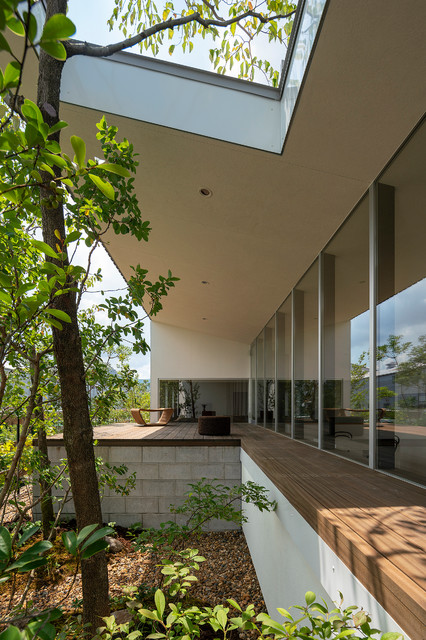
(290, 558)
(182, 354)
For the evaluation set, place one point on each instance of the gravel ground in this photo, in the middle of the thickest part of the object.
(227, 573)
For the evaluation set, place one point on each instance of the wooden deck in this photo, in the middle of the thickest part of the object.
(375, 523)
(175, 434)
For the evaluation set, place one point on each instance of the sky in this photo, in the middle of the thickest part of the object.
(90, 18)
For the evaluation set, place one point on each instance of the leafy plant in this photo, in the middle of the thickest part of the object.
(206, 500)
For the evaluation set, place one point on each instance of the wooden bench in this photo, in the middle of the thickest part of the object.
(165, 417)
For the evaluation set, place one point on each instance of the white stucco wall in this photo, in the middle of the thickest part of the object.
(290, 558)
(182, 354)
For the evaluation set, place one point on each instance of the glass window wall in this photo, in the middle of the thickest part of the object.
(289, 345)
(346, 331)
(401, 314)
(305, 300)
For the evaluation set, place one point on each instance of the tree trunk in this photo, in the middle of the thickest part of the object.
(78, 433)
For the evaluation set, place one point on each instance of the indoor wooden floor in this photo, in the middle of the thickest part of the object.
(375, 523)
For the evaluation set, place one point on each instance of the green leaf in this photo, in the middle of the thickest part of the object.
(58, 126)
(30, 564)
(28, 533)
(31, 111)
(103, 186)
(392, 635)
(148, 614)
(45, 167)
(85, 532)
(222, 618)
(58, 161)
(57, 313)
(73, 236)
(97, 546)
(5, 543)
(32, 25)
(5, 297)
(11, 74)
(11, 633)
(285, 613)
(5, 280)
(97, 535)
(114, 168)
(79, 147)
(44, 248)
(310, 597)
(160, 602)
(16, 26)
(4, 45)
(58, 27)
(54, 49)
(69, 539)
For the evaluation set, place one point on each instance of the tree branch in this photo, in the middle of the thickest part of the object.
(79, 48)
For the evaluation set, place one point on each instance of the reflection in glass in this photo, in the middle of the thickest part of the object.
(270, 374)
(260, 380)
(305, 297)
(401, 314)
(193, 398)
(346, 338)
(252, 408)
(284, 367)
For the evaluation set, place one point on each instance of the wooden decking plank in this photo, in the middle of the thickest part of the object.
(408, 557)
(399, 519)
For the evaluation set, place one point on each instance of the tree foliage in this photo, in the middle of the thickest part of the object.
(234, 28)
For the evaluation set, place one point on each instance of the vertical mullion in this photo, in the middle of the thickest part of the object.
(372, 203)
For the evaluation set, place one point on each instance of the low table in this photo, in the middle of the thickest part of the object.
(214, 425)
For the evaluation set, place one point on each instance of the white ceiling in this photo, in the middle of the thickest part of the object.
(271, 214)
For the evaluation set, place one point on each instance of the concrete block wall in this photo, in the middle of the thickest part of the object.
(163, 475)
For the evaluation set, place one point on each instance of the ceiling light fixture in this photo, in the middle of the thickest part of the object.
(205, 192)
(204, 282)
